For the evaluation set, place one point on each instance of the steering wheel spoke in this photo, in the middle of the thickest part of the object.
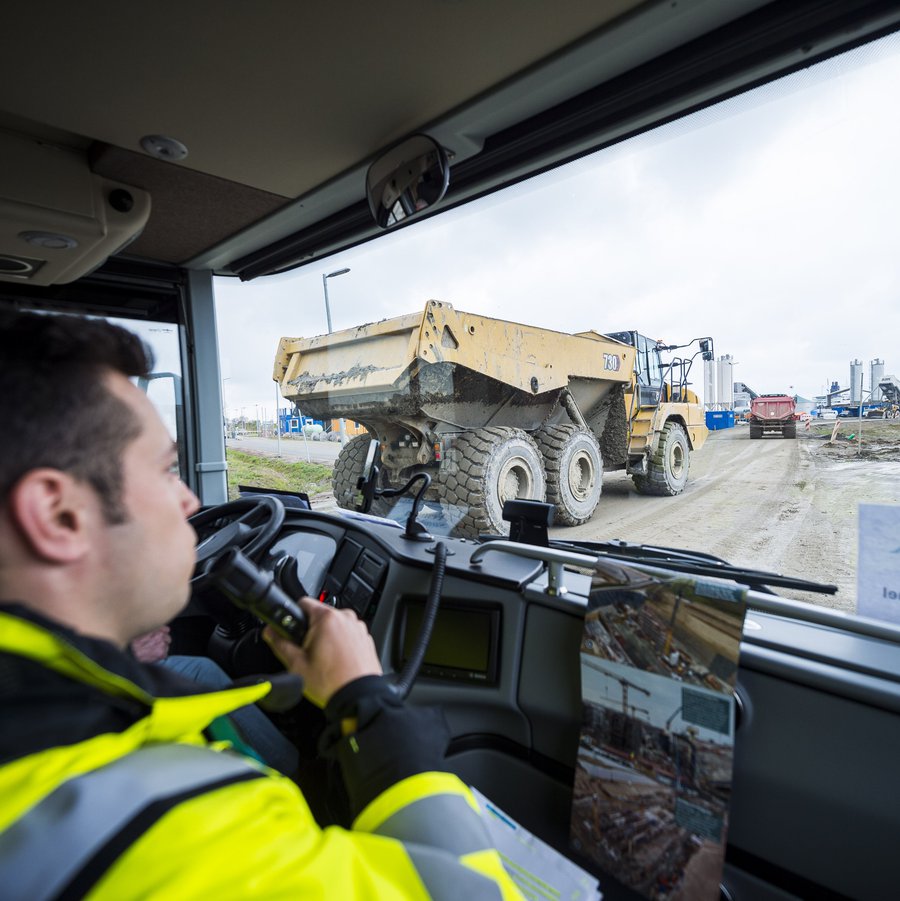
(249, 524)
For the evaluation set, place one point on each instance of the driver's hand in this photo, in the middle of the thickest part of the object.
(152, 646)
(337, 649)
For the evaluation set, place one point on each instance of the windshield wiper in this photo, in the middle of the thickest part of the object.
(693, 562)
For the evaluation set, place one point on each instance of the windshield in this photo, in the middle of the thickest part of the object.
(765, 222)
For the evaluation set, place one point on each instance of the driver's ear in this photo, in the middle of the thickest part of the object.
(52, 511)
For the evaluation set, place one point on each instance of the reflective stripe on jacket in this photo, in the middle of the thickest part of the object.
(156, 811)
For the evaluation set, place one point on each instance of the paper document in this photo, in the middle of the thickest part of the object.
(659, 661)
(540, 872)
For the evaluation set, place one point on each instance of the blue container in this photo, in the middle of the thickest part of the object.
(719, 419)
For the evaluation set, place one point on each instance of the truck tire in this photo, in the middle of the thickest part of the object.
(574, 467)
(486, 467)
(667, 468)
(347, 469)
(789, 431)
(755, 431)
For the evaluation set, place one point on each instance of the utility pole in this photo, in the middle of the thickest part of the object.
(859, 430)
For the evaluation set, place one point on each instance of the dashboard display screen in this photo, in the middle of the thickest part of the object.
(313, 552)
(463, 645)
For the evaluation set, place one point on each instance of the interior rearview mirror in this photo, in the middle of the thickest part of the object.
(406, 180)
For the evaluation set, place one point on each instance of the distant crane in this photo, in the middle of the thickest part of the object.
(676, 752)
(670, 629)
(625, 686)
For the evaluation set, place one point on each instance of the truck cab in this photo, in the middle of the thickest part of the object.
(648, 366)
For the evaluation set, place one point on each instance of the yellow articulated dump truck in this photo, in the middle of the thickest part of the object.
(496, 410)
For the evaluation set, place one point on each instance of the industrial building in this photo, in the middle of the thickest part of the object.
(723, 396)
(883, 390)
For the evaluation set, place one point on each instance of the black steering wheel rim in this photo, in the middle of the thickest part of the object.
(251, 525)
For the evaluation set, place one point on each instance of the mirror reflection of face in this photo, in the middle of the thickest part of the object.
(406, 180)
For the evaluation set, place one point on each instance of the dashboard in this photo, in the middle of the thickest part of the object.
(369, 566)
(818, 697)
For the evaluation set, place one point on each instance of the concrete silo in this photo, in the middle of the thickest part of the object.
(876, 374)
(725, 382)
(710, 385)
(856, 384)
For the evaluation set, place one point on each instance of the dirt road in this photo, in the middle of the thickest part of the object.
(783, 506)
(289, 448)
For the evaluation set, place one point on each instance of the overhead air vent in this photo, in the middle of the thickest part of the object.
(58, 220)
(18, 267)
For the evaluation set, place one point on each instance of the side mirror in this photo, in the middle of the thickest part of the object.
(406, 180)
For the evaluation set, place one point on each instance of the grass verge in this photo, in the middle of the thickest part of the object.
(262, 471)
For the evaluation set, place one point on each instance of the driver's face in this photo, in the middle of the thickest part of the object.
(150, 557)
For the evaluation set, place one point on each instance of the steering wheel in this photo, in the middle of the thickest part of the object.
(248, 524)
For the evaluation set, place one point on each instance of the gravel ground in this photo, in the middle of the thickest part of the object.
(784, 506)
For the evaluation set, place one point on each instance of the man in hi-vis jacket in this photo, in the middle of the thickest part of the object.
(113, 782)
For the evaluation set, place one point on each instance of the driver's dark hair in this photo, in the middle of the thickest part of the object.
(55, 408)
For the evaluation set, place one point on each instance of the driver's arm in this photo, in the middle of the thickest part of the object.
(392, 759)
(376, 738)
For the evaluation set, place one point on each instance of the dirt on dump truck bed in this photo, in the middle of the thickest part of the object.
(786, 506)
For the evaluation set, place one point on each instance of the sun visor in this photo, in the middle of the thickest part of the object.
(58, 220)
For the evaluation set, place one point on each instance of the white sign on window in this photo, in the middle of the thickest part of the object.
(878, 567)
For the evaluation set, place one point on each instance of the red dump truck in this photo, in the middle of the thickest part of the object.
(772, 414)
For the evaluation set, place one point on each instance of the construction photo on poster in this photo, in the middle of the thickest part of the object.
(659, 659)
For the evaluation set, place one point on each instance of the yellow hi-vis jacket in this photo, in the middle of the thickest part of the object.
(156, 811)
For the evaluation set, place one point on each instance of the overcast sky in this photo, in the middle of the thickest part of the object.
(767, 223)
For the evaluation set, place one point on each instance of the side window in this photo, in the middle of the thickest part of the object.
(654, 366)
(648, 363)
(165, 387)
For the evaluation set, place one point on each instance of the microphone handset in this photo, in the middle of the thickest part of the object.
(249, 588)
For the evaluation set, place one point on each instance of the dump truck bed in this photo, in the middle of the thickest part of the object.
(456, 369)
(773, 414)
(772, 408)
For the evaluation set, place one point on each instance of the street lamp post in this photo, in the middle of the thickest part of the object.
(278, 418)
(325, 277)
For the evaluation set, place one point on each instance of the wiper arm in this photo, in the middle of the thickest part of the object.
(693, 562)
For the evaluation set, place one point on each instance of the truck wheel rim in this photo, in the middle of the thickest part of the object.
(676, 460)
(581, 476)
(516, 480)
